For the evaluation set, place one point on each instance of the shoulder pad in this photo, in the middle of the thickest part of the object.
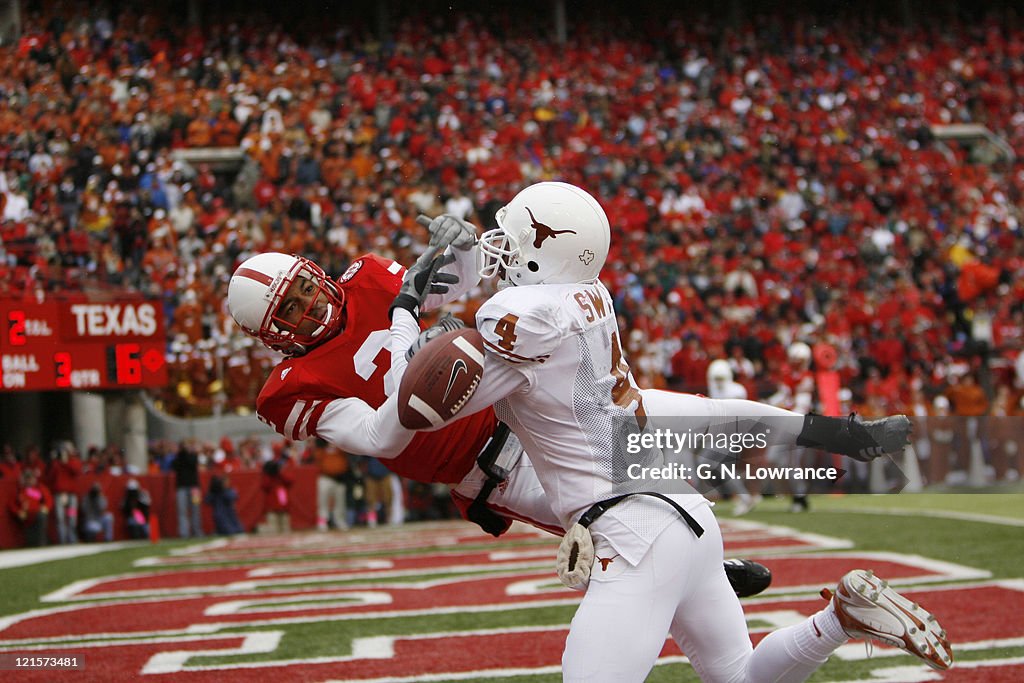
(522, 324)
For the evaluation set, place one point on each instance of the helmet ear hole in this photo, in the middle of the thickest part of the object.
(533, 266)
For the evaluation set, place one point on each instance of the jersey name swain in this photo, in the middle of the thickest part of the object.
(593, 304)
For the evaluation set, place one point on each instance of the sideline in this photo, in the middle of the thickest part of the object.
(929, 512)
(28, 556)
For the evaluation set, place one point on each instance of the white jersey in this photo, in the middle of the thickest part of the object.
(556, 374)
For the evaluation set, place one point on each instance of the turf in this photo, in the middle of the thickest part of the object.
(983, 531)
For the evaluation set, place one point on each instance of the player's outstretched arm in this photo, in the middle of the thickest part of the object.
(849, 436)
(355, 427)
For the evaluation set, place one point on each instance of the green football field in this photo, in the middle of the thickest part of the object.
(279, 603)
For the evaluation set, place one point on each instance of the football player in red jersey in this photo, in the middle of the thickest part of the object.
(345, 355)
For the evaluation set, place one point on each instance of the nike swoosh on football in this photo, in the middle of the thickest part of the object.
(459, 366)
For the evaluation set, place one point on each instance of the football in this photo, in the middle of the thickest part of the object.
(440, 379)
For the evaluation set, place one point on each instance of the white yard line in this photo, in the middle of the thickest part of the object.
(29, 556)
(942, 514)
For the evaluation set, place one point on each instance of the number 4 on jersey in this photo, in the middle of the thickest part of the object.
(624, 393)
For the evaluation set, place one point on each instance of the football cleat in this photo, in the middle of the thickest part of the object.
(855, 438)
(747, 577)
(868, 608)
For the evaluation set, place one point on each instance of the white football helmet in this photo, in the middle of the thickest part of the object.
(719, 371)
(257, 289)
(550, 233)
(799, 352)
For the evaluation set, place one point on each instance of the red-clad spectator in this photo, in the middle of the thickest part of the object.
(10, 466)
(62, 474)
(276, 483)
(31, 506)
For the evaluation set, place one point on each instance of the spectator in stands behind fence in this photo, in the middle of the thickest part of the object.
(186, 491)
(135, 509)
(377, 483)
(222, 499)
(10, 466)
(276, 482)
(332, 485)
(96, 519)
(62, 473)
(32, 507)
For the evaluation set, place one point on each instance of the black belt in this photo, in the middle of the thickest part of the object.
(601, 507)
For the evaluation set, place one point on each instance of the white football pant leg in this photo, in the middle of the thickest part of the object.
(622, 623)
(710, 628)
(708, 624)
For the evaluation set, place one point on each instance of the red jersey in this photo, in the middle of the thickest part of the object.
(354, 364)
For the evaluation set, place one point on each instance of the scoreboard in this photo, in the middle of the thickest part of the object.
(81, 343)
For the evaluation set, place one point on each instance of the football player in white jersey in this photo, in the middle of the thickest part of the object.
(555, 372)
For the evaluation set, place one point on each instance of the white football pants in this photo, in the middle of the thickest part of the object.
(678, 588)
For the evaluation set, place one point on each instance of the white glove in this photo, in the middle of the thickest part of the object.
(447, 230)
(575, 558)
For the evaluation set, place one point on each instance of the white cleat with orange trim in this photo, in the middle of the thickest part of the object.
(868, 608)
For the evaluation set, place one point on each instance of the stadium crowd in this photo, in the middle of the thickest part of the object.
(773, 185)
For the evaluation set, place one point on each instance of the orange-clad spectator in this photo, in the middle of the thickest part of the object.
(225, 131)
(362, 162)
(242, 379)
(1003, 434)
(967, 396)
(332, 484)
(199, 132)
(188, 317)
(159, 259)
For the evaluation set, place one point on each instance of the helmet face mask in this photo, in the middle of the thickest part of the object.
(550, 233)
(287, 302)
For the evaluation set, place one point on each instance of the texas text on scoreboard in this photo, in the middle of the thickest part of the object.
(81, 343)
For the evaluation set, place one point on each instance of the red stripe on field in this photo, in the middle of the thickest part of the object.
(957, 611)
(969, 615)
(773, 542)
(283, 547)
(809, 571)
(786, 571)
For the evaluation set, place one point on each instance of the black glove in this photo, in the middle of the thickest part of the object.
(447, 323)
(447, 230)
(422, 279)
